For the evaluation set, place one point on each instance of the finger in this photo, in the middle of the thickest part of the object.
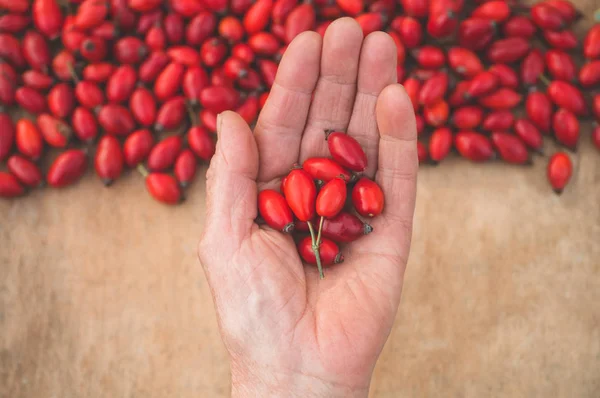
(389, 244)
(230, 188)
(377, 70)
(334, 95)
(280, 125)
(398, 160)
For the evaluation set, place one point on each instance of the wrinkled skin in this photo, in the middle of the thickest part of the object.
(287, 332)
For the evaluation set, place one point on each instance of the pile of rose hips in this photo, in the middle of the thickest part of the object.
(139, 83)
(316, 194)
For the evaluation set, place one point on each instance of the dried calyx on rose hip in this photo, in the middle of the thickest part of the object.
(313, 203)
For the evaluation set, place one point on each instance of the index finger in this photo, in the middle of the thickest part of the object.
(280, 125)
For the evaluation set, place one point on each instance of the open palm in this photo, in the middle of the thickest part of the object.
(281, 324)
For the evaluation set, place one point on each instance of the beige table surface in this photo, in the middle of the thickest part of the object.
(102, 295)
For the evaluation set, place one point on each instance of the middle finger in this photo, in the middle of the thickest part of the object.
(333, 100)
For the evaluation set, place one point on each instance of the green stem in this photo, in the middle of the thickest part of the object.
(142, 170)
(320, 230)
(315, 248)
(72, 72)
(544, 80)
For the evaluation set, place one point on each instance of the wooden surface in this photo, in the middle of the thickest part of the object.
(102, 295)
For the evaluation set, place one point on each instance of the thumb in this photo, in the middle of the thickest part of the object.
(231, 191)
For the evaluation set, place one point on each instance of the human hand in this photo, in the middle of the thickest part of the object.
(289, 333)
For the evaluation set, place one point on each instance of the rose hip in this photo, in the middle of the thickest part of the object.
(325, 169)
(483, 83)
(10, 186)
(93, 49)
(301, 194)
(115, 119)
(174, 26)
(329, 252)
(436, 115)
(121, 84)
(561, 65)
(67, 168)
(532, 67)
(508, 50)
(257, 17)
(476, 33)
(248, 110)
(109, 159)
(62, 65)
(510, 147)
(201, 143)
(589, 74)
(56, 133)
(440, 144)
(567, 96)
(539, 110)
(29, 139)
(474, 146)
(345, 228)
(153, 66)
(169, 81)
(27, 172)
(84, 124)
(89, 94)
(185, 167)
(98, 72)
(61, 100)
(503, 98)
(208, 119)
(31, 100)
(566, 128)
(47, 17)
(591, 43)
(563, 40)
(186, 8)
(530, 134)
(164, 153)
(464, 61)
(137, 147)
(7, 134)
(36, 51)
(519, 26)
(498, 11)
(547, 17)
(367, 198)
(219, 99)
(434, 89)
(346, 151)
(498, 121)
(331, 198)
(130, 50)
(36, 80)
(273, 208)
(507, 76)
(91, 13)
(163, 187)
(429, 57)
(560, 170)
(170, 114)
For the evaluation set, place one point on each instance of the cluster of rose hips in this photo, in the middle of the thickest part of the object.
(506, 54)
(315, 205)
(139, 83)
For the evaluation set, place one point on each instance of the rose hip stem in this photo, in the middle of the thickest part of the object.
(143, 171)
(316, 243)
